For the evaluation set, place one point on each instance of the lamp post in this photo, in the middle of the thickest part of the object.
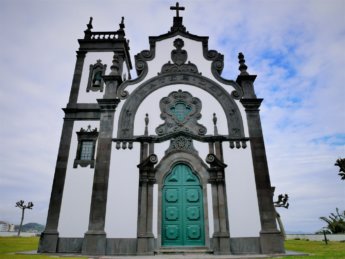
(20, 204)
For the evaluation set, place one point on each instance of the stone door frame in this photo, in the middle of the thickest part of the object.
(164, 167)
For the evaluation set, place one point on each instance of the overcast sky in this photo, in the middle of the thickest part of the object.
(297, 49)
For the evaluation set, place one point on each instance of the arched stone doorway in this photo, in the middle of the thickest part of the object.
(182, 208)
(182, 179)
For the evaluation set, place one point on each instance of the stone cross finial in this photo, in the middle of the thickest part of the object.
(177, 8)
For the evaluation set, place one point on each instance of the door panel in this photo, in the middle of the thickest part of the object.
(182, 209)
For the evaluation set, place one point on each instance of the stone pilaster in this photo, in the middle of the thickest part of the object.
(95, 238)
(78, 70)
(271, 239)
(49, 237)
(221, 235)
(145, 238)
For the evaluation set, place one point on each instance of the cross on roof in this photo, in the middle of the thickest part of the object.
(177, 8)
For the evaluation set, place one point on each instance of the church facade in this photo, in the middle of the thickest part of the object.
(175, 156)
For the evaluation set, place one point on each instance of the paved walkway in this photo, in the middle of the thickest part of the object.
(178, 256)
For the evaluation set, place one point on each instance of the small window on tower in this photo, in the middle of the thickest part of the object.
(86, 147)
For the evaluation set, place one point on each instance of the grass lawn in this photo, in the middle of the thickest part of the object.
(10, 245)
(317, 250)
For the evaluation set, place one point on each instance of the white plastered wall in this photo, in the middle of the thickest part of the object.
(121, 213)
(76, 199)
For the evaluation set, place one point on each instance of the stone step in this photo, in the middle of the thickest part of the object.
(184, 250)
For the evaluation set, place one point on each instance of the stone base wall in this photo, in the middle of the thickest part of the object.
(245, 245)
(128, 246)
(114, 246)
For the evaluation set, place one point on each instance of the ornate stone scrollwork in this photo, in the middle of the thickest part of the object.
(181, 111)
(181, 143)
(179, 57)
(95, 82)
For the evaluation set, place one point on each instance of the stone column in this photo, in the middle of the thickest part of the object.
(95, 242)
(49, 237)
(78, 71)
(221, 235)
(145, 238)
(271, 239)
(95, 238)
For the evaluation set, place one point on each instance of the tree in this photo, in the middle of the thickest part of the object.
(336, 222)
(20, 204)
(341, 163)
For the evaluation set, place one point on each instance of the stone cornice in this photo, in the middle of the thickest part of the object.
(252, 104)
(108, 104)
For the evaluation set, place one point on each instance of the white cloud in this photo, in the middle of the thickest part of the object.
(295, 48)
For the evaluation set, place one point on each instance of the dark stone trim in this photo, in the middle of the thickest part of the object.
(163, 168)
(271, 240)
(106, 45)
(49, 237)
(108, 104)
(129, 109)
(147, 55)
(84, 135)
(252, 105)
(82, 111)
(78, 71)
(160, 139)
(95, 238)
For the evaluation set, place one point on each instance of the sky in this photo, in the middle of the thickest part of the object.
(295, 47)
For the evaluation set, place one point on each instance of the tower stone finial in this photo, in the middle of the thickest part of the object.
(215, 124)
(146, 133)
(243, 67)
(87, 32)
(89, 25)
(115, 67)
(122, 24)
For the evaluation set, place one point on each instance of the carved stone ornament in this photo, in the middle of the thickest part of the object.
(179, 57)
(181, 111)
(95, 82)
(181, 143)
(86, 147)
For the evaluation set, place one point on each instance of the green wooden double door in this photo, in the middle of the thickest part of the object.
(182, 209)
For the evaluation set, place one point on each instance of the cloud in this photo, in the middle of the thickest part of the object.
(295, 48)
